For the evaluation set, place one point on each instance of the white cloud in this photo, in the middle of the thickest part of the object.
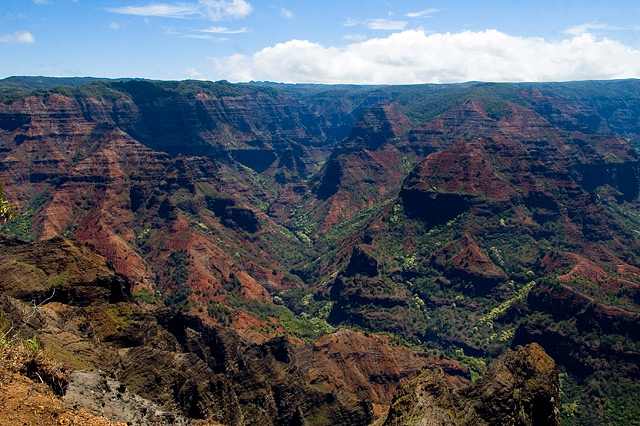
(355, 37)
(427, 13)
(588, 27)
(18, 37)
(385, 24)
(193, 73)
(351, 22)
(201, 37)
(114, 26)
(223, 30)
(182, 10)
(14, 16)
(286, 13)
(172, 31)
(42, 1)
(215, 10)
(377, 24)
(415, 57)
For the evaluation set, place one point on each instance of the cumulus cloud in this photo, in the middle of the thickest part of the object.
(18, 37)
(414, 56)
(215, 10)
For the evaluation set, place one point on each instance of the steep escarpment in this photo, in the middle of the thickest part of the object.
(348, 361)
(591, 107)
(364, 169)
(98, 183)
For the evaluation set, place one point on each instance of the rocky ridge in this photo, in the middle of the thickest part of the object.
(500, 397)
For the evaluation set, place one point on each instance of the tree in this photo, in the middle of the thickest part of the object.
(7, 210)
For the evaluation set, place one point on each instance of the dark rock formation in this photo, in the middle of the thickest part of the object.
(464, 259)
(519, 388)
(361, 263)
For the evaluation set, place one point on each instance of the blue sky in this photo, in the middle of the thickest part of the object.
(323, 41)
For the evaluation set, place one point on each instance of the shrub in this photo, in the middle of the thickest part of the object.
(7, 210)
(144, 295)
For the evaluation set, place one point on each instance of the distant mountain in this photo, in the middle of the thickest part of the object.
(461, 220)
(41, 82)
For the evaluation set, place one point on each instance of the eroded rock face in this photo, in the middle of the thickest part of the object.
(60, 271)
(463, 258)
(519, 388)
(103, 170)
(368, 154)
(349, 361)
(94, 392)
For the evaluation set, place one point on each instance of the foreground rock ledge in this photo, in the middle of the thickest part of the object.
(519, 388)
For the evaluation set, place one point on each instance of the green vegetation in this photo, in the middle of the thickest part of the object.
(21, 226)
(179, 299)
(178, 266)
(477, 366)
(501, 309)
(303, 326)
(33, 345)
(120, 314)
(144, 295)
(351, 225)
(220, 312)
(177, 274)
(604, 397)
(5, 328)
(58, 280)
(7, 210)
(16, 88)
(143, 236)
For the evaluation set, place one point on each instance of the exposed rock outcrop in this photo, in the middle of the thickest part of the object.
(519, 388)
(464, 259)
(349, 361)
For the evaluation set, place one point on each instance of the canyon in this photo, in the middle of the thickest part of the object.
(304, 254)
